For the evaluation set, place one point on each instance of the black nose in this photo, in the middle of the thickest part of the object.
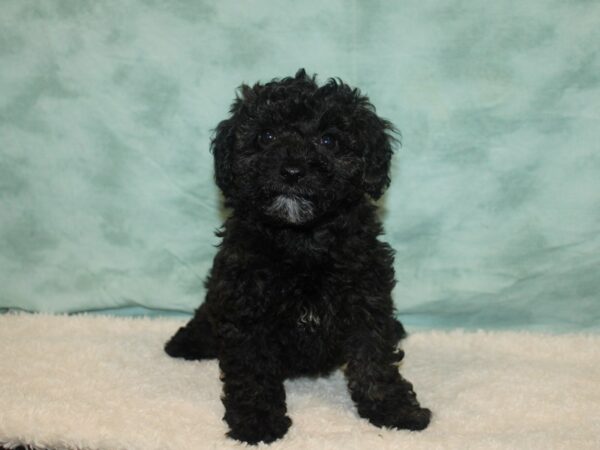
(292, 172)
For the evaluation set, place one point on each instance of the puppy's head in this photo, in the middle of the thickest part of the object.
(292, 151)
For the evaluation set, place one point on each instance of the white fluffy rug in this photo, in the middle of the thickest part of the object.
(89, 382)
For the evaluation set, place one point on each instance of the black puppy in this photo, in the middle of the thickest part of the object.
(301, 283)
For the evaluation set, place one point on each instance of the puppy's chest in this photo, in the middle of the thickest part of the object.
(310, 301)
(308, 318)
(310, 309)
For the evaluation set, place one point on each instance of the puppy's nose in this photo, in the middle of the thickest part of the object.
(292, 172)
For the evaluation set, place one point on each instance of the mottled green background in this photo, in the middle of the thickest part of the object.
(106, 109)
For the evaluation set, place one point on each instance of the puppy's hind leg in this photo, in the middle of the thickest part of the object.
(195, 340)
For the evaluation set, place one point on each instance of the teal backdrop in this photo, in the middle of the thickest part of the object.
(107, 201)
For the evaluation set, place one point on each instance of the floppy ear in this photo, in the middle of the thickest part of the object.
(224, 140)
(376, 136)
(222, 147)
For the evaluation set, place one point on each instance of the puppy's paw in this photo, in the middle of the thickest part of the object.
(397, 407)
(408, 417)
(412, 418)
(262, 427)
(192, 342)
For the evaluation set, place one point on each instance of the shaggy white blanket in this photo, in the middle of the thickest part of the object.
(90, 382)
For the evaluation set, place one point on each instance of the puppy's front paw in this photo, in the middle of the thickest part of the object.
(396, 407)
(412, 418)
(260, 427)
(408, 417)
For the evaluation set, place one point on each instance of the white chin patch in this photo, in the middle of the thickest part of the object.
(291, 208)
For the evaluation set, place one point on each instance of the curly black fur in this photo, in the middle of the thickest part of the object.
(301, 283)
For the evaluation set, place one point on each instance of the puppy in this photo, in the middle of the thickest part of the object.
(301, 283)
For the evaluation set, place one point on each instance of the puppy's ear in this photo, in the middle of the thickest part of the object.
(377, 137)
(224, 139)
(222, 147)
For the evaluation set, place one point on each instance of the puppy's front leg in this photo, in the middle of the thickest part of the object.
(380, 393)
(253, 392)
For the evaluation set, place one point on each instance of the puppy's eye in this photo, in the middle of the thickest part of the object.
(266, 137)
(327, 140)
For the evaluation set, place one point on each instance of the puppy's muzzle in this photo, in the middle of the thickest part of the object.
(291, 209)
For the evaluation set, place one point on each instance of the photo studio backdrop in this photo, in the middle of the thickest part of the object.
(107, 201)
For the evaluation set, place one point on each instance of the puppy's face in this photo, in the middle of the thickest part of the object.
(293, 152)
